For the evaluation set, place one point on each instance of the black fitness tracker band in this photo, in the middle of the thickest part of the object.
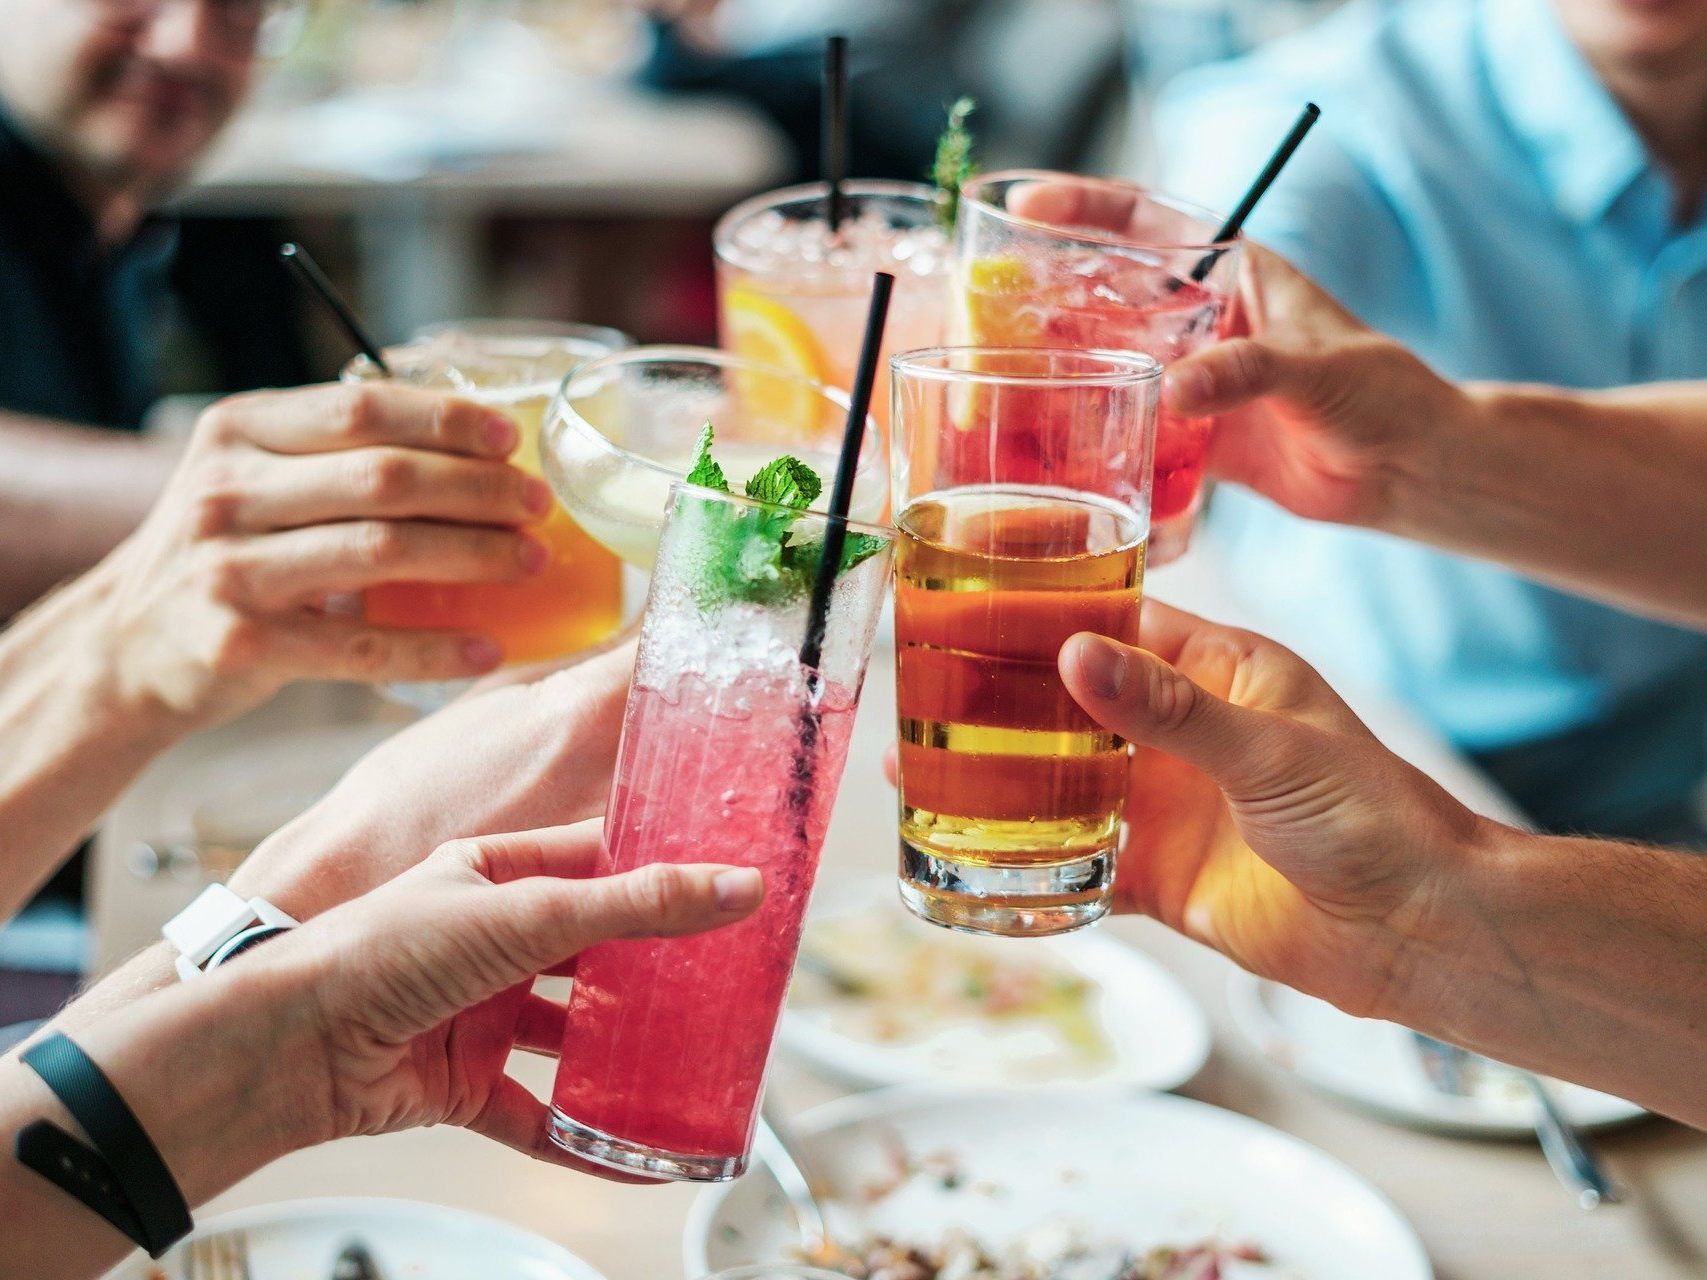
(123, 1178)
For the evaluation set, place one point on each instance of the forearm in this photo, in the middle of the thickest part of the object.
(206, 1067)
(1599, 493)
(69, 495)
(75, 738)
(1583, 959)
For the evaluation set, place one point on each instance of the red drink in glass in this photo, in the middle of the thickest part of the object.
(1118, 275)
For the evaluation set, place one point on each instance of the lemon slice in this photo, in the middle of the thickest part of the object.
(761, 329)
(1000, 304)
(997, 309)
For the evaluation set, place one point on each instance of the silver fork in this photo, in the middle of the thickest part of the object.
(1572, 1160)
(221, 1257)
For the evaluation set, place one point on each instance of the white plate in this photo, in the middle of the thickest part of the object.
(1158, 1035)
(408, 1239)
(1374, 1065)
(1135, 1169)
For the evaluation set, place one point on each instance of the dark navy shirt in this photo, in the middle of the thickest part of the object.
(78, 320)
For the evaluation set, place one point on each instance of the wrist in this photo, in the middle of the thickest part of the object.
(1461, 973)
(216, 1070)
(1440, 467)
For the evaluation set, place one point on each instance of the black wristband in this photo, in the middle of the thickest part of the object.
(125, 1165)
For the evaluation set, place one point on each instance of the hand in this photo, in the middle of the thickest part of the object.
(1314, 410)
(508, 758)
(414, 995)
(286, 498)
(1264, 819)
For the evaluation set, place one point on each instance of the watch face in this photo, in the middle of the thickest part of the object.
(245, 940)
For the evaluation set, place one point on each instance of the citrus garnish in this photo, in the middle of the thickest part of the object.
(761, 329)
(997, 310)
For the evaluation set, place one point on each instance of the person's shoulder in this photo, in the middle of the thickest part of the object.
(1369, 66)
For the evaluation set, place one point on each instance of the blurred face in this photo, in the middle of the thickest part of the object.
(132, 92)
(1654, 35)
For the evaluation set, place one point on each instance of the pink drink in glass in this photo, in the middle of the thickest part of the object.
(731, 753)
(794, 295)
(669, 1037)
(1028, 283)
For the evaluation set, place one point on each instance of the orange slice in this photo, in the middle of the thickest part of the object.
(758, 328)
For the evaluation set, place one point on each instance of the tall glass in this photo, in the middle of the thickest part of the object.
(731, 752)
(623, 429)
(576, 600)
(1022, 477)
(1057, 260)
(793, 295)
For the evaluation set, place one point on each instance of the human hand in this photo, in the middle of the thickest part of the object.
(1264, 819)
(284, 498)
(411, 998)
(508, 758)
(1313, 409)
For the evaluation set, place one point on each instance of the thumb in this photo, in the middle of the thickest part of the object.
(1146, 701)
(1231, 374)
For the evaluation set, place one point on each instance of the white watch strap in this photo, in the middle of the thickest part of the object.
(215, 918)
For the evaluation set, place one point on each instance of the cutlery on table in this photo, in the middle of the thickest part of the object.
(221, 1257)
(776, 1145)
(1573, 1162)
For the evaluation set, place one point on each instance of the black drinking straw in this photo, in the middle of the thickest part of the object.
(1236, 220)
(841, 494)
(833, 127)
(835, 538)
(308, 271)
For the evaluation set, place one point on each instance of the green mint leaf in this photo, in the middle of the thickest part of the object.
(859, 548)
(786, 481)
(705, 472)
(954, 162)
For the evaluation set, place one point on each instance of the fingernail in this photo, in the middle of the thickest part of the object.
(1186, 387)
(500, 433)
(533, 555)
(481, 653)
(536, 496)
(738, 889)
(1103, 665)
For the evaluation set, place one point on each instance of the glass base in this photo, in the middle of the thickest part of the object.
(1011, 902)
(636, 1157)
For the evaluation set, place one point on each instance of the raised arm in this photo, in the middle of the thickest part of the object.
(395, 1011)
(282, 499)
(1603, 493)
(68, 495)
(1265, 820)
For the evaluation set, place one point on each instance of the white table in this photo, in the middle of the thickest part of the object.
(1485, 1210)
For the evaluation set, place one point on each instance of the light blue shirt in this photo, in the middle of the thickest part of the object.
(1475, 192)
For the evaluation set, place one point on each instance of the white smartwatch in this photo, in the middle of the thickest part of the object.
(219, 925)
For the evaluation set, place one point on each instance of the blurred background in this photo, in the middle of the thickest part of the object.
(564, 159)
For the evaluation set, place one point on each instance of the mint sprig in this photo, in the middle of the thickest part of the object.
(747, 553)
(954, 162)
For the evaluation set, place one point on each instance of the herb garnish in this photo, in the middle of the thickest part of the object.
(745, 552)
(954, 162)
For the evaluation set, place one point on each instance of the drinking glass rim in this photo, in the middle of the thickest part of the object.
(504, 328)
(560, 409)
(884, 532)
(895, 188)
(601, 339)
(1138, 367)
(970, 188)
